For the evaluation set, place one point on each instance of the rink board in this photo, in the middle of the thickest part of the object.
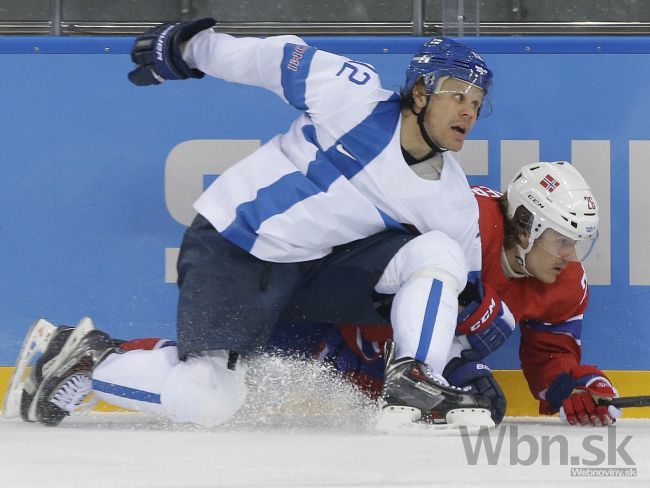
(98, 176)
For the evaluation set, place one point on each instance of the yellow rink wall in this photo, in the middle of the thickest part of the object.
(520, 400)
(522, 403)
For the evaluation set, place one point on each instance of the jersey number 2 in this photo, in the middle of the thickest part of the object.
(361, 80)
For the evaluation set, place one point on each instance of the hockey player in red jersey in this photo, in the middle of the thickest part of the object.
(533, 240)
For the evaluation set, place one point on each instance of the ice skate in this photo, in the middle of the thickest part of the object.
(59, 381)
(415, 400)
(67, 385)
(39, 337)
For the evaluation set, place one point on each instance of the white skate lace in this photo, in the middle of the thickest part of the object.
(442, 381)
(73, 395)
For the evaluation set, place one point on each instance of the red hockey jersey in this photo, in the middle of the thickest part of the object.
(550, 315)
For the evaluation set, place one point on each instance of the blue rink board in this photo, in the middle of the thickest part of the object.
(84, 224)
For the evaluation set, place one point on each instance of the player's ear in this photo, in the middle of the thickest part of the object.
(419, 96)
(522, 239)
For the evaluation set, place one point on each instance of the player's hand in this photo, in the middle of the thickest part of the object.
(157, 54)
(486, 321)
(580, 406)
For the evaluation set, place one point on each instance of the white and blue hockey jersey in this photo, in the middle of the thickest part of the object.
(338, 174)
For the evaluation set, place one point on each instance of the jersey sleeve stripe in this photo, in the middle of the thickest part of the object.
(573, 327)
(294, 72)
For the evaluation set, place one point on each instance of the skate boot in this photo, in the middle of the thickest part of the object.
(35, 378)
(60, 379)
(39, 337)
(412, 395)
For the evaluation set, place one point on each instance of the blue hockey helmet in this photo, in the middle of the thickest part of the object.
(441, 57)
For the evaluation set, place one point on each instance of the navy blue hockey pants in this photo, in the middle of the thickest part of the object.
(232, 300)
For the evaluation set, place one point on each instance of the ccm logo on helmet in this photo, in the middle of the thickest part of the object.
(535, 201)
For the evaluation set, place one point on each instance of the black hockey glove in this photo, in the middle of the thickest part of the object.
(157, 54)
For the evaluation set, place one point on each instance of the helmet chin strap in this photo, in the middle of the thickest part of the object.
(521, 255)
(423, 131)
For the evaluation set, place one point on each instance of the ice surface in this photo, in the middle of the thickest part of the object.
(132, 450)
(302, 427)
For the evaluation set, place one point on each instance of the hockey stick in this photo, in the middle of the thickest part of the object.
(623, 402)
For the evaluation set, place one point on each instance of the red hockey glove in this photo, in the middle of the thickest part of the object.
(577, 394)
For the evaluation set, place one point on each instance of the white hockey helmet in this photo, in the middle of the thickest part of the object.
(559, 199)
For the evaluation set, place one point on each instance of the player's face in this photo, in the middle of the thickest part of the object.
(452, 112)
(550, 254)
(559, 245)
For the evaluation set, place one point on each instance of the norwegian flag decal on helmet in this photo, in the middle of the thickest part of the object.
(549, 183)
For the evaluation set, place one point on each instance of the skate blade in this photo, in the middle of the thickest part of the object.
(84, 326)
(36, 341)
(470, 420)
(402, 420)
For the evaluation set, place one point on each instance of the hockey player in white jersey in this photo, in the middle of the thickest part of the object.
(327, 203)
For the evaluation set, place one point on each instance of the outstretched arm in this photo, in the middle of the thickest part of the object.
(550, 357)
(303, 76)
